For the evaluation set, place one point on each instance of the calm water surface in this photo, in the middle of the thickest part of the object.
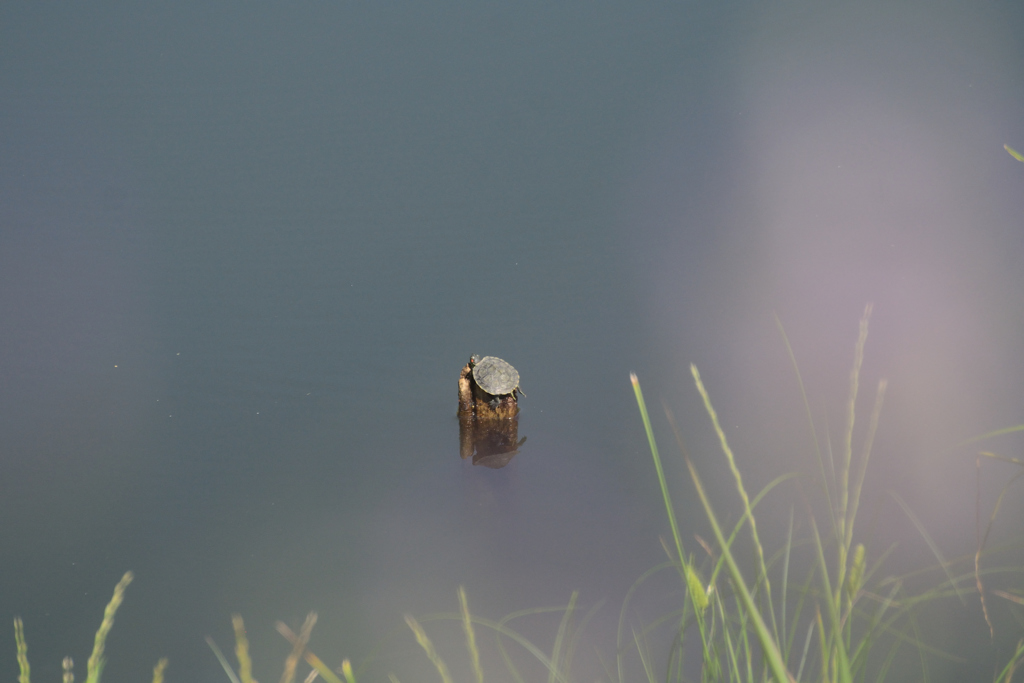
(244, 252)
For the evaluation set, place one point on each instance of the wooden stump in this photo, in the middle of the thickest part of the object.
(488, 424)
(478, 403)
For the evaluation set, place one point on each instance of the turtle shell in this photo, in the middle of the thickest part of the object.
(495, 376)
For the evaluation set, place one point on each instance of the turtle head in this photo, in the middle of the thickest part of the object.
(474, 359)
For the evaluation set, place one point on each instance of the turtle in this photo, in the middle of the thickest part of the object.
(495, 376)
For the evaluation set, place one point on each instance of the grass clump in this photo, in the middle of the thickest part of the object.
(94, 667)
(300, 650)
(557, 664)
(839, 612)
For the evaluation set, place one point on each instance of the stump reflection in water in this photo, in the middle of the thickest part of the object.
(488, 424)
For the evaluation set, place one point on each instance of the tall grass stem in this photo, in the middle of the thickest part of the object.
(96, 661)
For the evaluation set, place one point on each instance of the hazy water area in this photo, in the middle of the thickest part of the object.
(245, 250)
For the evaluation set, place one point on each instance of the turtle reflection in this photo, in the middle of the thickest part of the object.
(489, 411)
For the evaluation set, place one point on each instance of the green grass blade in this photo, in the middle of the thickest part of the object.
(989, 435)
(807, 647)
(574, 640)
(325, 671)
(19, 639)
(501, 629)
(851, 414)
(158, 670)
(768, 644)
(931, 544)
(428, 647)
(299, 645)
(467, 627)
(785, 575)
(620, 648)
(95, 665)
(557, 658)
(841, 661)
(713, 665)
(860, 652)
(1014, 153)
(1018, 656)
(1002, 458)
(346, 671)
(810, 421)
(645, 657)
(822, 644)
(743, 494)
(869, 439)
(657, 465)
(223, 660)
(242, 649)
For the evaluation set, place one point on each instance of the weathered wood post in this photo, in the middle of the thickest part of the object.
(488, 423)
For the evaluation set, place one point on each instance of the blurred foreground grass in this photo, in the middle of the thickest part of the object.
(825, 626)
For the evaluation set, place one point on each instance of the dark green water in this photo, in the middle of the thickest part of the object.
(245, 250)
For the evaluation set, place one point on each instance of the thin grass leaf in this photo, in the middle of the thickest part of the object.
(574, 640)
(856, 577)
(69, 670)
(860, 652)
(556, 652)
(645, 657)
(311, 659)
(983, 540)
(713, 665)
(620, 649)
(768, 644)
(889, 629)
(501, 629)
(467, 627)
(696, 601)
(917, 632)
(841, 662)
(742, 491)
(810, 422)
(242, 649)
(298, 647)
(1009, 596)
(805, 594)
(1018, 656)
(832, 471)
(346, 671)
(158, 670)
(785, 575)
(1002, 458)
(845, 534)
(223, 660)
(428, 647)
(807, 647)
(822, 644)
(989, 435)
(931, 544)
(322, 669)
(96, 661)
(1014, 153)
(869, 439)
(19, 640)
(657, 465)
